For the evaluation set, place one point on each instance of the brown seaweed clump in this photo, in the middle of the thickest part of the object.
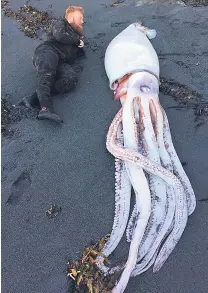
(4, 4)
(185, 96)
(179, 91)
(11, 114)
(196, 3)
(53, 211)
(114, 4)
(85, 276)
(32, 21)
(6, 110)
(193, 3)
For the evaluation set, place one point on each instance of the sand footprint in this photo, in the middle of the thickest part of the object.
(19, 186)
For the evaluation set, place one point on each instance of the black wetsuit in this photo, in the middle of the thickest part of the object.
(52, 60)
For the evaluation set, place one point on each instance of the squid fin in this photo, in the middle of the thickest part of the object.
(150, 33)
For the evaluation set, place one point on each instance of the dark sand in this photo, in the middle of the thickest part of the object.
(69, 166)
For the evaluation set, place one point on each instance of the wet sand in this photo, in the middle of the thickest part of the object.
(69, 166)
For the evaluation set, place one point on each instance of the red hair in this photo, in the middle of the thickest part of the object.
(72, 9)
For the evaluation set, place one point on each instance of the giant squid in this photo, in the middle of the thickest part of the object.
(145, 159)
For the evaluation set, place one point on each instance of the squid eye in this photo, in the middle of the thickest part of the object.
(144, 88)
(116, 84)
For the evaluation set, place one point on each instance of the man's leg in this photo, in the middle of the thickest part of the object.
(46, 63)
(66, 78)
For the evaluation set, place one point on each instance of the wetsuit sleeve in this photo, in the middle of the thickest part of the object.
(65, 37)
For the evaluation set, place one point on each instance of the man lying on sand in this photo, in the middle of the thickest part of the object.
(52, 60)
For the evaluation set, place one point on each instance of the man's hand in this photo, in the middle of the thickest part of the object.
(81, 44)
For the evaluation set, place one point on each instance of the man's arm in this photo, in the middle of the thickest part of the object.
(66, 38)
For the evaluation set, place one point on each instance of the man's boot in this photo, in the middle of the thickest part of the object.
(48, 113)
(45, 85)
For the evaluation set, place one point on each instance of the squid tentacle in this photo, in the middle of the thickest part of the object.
(177, 167)
(141, 149)
(157, 185)
(141, 268)
(142, 192)
(122, 207)
(181, 216)
(170, 203)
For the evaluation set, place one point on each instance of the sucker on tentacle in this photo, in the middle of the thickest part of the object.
(131, 224)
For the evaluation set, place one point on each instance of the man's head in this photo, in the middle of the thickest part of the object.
(74, 15)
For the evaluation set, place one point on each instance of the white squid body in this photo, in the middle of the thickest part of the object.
(129, 52)
(140, 140)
